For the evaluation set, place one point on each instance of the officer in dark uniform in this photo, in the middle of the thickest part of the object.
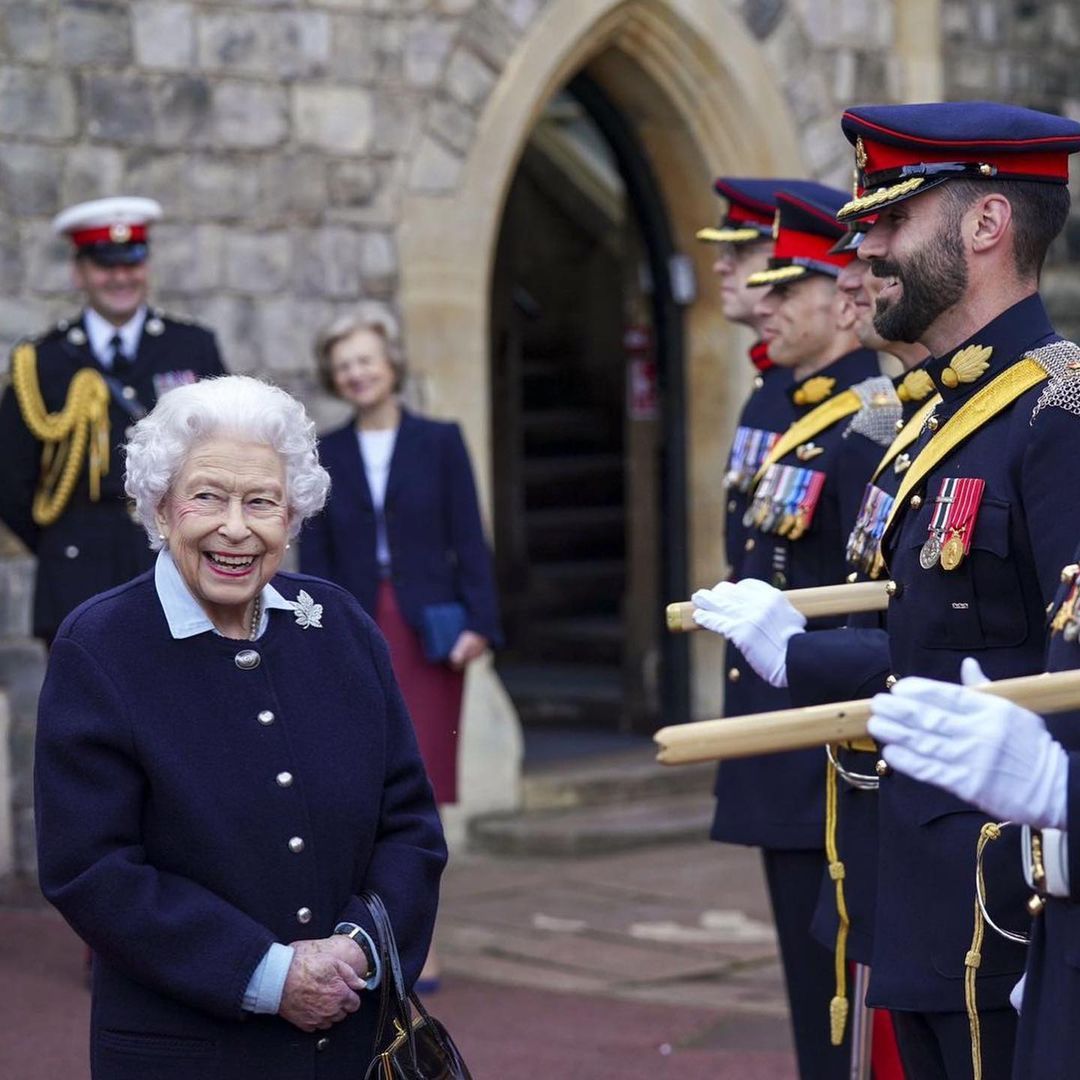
(851, 831)
(967, 197)
(744, 243)
(801, 510)
(74, 393)
(1019, 768)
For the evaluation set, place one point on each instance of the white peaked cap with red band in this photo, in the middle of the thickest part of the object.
(120, 219)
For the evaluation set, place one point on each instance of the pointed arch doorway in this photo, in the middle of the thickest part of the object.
(686, 77)
(588, 425)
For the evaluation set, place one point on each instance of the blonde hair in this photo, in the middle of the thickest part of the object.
(345, 327)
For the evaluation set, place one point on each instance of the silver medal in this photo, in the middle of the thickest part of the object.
(930, 552)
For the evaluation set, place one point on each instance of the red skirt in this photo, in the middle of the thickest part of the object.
(432, 694)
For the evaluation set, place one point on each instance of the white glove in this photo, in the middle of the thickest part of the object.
(754, 617)
(1016, 994)
(983, 749)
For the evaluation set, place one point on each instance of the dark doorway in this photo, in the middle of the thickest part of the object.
(588, 428)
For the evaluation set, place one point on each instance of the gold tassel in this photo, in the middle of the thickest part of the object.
(838, 1007)
(990, 831)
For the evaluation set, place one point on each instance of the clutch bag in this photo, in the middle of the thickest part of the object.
(441, 626)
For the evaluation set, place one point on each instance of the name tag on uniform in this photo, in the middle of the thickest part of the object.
(169, 380)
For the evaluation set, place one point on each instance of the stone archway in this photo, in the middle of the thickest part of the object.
(697, 87)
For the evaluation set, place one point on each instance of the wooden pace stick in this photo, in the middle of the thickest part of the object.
(819, 725)
(813, 603)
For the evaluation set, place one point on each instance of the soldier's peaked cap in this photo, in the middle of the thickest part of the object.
(751, 207)
(905, 150)
(806, 233)
(110, 231)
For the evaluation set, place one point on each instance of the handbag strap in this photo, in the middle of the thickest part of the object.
(393, 999)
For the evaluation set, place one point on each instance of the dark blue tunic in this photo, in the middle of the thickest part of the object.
(778, 801)
(94, 545)
(769, 411)
(845, 664)
(1048, 1039)
(992, 607)
(169, 781)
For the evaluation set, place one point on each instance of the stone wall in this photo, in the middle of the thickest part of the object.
(279, 137)
(1025, 52)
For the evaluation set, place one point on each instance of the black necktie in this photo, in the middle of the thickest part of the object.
(120, 362)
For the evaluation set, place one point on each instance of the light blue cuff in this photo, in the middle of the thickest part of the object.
(263, 993)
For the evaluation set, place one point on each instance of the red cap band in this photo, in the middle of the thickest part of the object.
(883, 157)
(109, 234)
(791, 244)
(738, 214)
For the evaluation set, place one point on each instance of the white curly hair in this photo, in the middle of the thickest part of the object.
(233, 406)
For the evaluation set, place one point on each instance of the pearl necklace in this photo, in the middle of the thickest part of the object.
(256, 618)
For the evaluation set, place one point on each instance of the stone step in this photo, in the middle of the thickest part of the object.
(569, 586)
(615, 779)
(595, 830)
(564, 430)
(563, 694)
(593, 639)
(576, 532)
(561, 480)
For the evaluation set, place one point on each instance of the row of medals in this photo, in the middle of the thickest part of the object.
(766, 513)
(1067, 619)
(948, 553)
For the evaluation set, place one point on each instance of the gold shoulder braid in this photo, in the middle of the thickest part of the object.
(82, 423)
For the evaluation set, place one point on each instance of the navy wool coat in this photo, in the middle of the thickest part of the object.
(169, 781)
(437, 546)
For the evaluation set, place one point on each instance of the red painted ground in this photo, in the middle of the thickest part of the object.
(505, 1033)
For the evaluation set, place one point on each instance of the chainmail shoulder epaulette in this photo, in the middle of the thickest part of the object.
(880, 411)
(1061, 361)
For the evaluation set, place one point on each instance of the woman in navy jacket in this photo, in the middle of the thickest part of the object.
(402, 531)
(224, 766)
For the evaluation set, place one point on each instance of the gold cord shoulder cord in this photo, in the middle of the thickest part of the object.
(82, 424)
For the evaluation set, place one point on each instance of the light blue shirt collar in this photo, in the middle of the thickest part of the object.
(99, 332)
(182, 611)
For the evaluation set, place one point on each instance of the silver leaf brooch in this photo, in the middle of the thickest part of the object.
(308, 613)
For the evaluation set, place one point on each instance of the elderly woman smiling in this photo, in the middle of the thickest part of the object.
(225, 764)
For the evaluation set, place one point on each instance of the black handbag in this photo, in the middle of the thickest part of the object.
(417, 1047)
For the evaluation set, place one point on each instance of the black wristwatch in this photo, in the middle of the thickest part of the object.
(351, 930)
